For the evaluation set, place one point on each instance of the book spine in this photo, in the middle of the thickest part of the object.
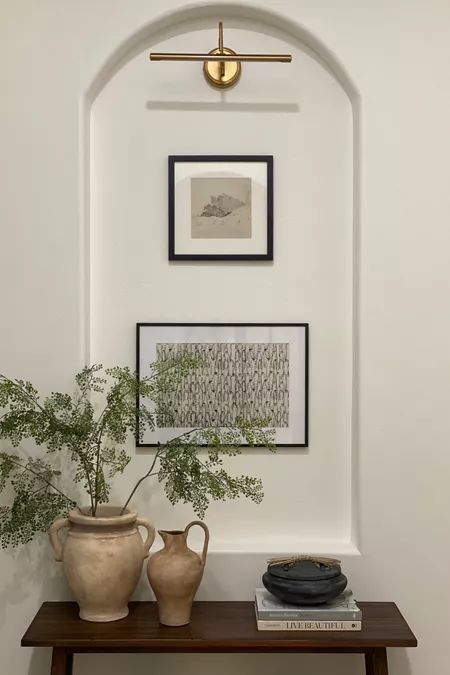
(310, 625)
(322, 615)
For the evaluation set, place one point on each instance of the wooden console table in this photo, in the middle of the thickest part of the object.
(220, 627)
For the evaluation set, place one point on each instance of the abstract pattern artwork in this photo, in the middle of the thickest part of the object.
(253, 371)
(249, 380)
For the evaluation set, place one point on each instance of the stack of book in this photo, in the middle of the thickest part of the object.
(340, 614)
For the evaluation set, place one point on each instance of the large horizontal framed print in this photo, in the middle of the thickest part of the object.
(221, 207)
(249, 370)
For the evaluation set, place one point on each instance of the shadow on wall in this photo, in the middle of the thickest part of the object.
(32, 572)
(40, 662)
(34, 568)
(222, 106)
(218, 664)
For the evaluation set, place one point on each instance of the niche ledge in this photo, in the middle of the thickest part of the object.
(283, 546)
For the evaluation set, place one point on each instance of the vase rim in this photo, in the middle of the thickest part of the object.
(107, 515)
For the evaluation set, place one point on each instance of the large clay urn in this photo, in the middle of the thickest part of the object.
(175, 574)
(102, 559)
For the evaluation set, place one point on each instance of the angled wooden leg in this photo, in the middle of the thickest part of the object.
(69, 664)
(62, 662)
(376, 662)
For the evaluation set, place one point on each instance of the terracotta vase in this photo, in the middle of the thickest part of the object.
(175, 574)
(102, 559)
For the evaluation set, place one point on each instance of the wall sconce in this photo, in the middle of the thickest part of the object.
(221, 66)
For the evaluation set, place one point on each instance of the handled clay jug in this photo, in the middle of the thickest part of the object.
(175, 574)
(102, 559)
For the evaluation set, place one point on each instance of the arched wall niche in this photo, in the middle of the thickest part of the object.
(175, 22)
(321, 480)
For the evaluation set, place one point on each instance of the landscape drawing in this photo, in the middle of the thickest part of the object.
(221, 208)
(249, 380)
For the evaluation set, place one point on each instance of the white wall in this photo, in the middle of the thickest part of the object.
(396, 54)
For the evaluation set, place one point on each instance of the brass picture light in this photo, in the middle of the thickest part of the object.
(222, 65)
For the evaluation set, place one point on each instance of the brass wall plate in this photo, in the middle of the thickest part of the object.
(222, 74)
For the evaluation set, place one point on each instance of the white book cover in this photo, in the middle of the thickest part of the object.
(344, 603)
(310, 625)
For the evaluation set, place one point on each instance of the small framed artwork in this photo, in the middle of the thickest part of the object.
(249, 370)
(221, 207)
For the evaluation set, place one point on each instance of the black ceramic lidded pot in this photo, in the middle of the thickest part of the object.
(304, 580)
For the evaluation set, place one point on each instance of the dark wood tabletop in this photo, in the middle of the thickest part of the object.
(215, 627)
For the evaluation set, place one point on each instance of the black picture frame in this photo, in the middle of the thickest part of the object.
(173, 160)
(304, 326)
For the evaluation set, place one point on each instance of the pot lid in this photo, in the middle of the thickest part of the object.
(304, 570)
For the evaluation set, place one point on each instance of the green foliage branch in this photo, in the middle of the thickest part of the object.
(190, 466)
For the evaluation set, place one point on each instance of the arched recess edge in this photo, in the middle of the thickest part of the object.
(175, 22)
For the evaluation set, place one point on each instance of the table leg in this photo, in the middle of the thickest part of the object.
(62, 662)
(376, 662)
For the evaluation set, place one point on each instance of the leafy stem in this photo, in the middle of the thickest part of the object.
(159, 453)
(40, 475)
(141, 480)
(94, 441)
(24, 390)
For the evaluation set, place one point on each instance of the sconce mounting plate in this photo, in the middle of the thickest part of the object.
(222, 74)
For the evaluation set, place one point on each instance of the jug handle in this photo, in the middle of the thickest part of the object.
(206, 531)
(54, 537)
(143, 522)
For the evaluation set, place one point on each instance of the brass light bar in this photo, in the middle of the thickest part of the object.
(222, 65)
(161, 56)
